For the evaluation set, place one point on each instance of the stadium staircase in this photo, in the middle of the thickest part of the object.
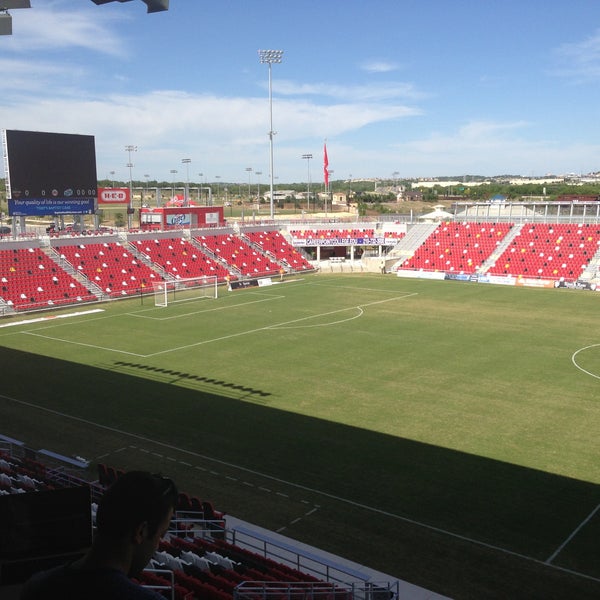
(31, 279)
(233, 273)
(407, 246)
(592, 271)
(234, 252)
(147, 260)
(274, 246)
(549, 251)
(66, 266)
(501, 248)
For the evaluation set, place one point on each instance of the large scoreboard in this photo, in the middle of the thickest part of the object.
(50, 173)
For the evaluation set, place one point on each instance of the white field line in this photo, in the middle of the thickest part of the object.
(302, 487)
(94, 346)
(127, 353)
(281, 325)
(574, 360)
(274, 326)
(198, 312)
(52, 317)
(572, 535)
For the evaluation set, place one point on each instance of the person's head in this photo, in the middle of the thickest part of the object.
(137, 510)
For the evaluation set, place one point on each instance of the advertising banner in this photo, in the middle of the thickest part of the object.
(439, 275)
(531, 282)
(43, 207)
(116, 196)
(367, 241)
(178, 220)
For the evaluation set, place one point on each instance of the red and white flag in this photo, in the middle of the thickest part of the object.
(325, 166)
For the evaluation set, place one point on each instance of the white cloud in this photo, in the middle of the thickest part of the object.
(378, 91)
(580, 61)
(491, 148)
(24, 76)
(169, 123)
(49, 26)
(378, 66)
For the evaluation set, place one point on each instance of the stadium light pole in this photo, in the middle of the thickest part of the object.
(186, 192)
(129, 149)
(307, 158)
(147, 178)
(270, 57)
(173, 173)
(249, 171)
(258, 174)
(201, 175)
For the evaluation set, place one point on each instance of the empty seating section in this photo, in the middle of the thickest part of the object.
(458, 247)
(188, 563)
(549, 251)
(237, 253)
(110, 266)
(18, 476)
(34, 278)
(274, 244)
(214, 568)
(341, 234)
(30, 279)
(180, 258)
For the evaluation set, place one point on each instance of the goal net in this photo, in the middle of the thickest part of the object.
(184, 290)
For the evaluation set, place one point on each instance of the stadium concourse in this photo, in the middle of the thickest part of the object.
(49, 271)
(205, 554)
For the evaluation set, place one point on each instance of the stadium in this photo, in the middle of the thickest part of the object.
(418, 422)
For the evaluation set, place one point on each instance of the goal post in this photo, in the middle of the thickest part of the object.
(184, 290)
(160, 293)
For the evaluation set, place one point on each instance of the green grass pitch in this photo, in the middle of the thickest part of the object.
(442, 432)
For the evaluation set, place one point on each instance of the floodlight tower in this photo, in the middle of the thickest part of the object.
(307, 158)
(129, 149)
(258, 174)
(270, 57)
(186, 192)
(173, 173)
(6, 18)
(249, 171)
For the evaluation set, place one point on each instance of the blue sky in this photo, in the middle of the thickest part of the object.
(422, 88)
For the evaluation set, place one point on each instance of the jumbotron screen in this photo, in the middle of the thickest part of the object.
(50, 173)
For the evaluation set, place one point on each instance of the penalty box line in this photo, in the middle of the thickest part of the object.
(220, 338)
(275, 326)
(575, 531)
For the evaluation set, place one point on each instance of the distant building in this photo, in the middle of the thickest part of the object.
(279, 195)
(411, 196)
(339, 198)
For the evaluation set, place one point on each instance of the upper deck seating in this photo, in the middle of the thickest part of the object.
(31, 279)
(239, 255)
(273, 243)
(333, 233)
(559, 251)
(181, 258)
(110, 266)
(457, 247)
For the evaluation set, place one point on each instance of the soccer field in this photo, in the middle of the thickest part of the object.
(443, 432)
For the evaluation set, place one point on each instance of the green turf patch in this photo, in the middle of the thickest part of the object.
(424, 410)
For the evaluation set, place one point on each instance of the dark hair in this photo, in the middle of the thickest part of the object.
(136, 497)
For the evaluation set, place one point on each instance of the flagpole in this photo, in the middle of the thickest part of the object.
(325, 172)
